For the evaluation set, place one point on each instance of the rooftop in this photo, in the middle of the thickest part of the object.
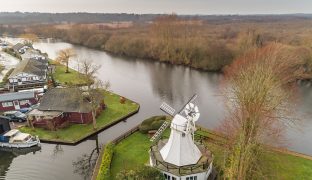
(31, 67)
(65, 100)
(17, 96)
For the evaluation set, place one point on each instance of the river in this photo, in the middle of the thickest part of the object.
(148, 83)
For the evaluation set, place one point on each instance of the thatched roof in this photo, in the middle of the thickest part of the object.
(18, 46)
(65, 100)
(31, 67)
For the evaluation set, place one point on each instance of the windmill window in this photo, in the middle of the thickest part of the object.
(183, 134)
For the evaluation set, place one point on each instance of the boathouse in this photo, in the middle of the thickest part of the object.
(17, 100)
(28, 74)
(60, 105)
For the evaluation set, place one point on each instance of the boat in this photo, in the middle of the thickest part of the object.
(16, 139)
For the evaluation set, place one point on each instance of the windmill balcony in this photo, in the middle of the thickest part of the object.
(203, 165)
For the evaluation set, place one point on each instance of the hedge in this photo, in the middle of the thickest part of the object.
(104, 173)
(152, 123)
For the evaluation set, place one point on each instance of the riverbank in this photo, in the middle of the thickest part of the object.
(132, 152)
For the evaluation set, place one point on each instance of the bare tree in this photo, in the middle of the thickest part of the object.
(258, 91)
(64, 56)
(95, 87)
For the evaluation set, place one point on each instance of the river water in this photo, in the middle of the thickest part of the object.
(148, 83)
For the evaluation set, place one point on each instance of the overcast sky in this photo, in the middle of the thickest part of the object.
(161, 6)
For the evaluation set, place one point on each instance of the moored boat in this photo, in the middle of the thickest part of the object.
(16, 139)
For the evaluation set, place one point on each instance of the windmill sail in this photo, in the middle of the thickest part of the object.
(189, 101)
(159, 132)
(167, 109)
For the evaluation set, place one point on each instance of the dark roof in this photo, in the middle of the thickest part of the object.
(65, 100)
(18, 46)
(16, 96)
(29, 66)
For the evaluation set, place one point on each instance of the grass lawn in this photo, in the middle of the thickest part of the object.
(285, 166)
(133, 152)
(130, 153)
(62, 77)
(113, 112)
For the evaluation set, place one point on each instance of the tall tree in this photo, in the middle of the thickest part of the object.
(258, 90)
(64, 55)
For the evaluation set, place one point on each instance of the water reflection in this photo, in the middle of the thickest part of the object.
(149, 83)
(8, 154)
(85, 163)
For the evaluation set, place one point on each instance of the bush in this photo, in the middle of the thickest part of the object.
(104, 172)
(141, 173)
(152, 123)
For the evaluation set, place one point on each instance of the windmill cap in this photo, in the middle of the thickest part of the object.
(179, 122)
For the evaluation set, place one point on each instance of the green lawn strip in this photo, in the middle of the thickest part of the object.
(113, 112)
(286, 166)
(133, 152)
(130, 153)
(62, 77)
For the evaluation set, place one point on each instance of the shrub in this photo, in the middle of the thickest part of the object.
(152, 123)
(104, 172)
(141, 173)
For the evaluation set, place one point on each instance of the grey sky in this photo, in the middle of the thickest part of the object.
(161, 6)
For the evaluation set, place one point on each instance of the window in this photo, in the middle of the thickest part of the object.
(23, 102)
(7, 104)
(173, 178)
(167, 177)
(191, 178)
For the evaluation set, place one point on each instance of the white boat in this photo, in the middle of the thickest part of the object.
(16, 139)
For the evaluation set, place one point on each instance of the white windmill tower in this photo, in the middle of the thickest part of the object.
(180, 151)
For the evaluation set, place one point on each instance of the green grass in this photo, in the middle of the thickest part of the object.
(130, 153)
(62, 77)
(133, 152)
(286, 166)
(113, 112)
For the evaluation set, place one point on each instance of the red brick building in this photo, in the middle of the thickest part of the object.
(17, 100)
(60, 105)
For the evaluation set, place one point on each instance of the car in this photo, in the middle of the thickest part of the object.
(25, 110)
(15, 116)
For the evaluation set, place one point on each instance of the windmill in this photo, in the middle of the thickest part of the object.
(180, 148)
(189, 111)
